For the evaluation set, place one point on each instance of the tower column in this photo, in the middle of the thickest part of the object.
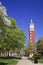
(31, 38)
(32, 33)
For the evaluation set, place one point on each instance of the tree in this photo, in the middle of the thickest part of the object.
(30, 49)
(2, 33)
(11, 37)
(40, 46)
(16, 37)
(13, 23)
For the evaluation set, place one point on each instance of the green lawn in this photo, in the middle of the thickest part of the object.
(39, 60)
(8, 62)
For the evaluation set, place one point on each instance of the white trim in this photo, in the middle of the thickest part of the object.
(32, 29)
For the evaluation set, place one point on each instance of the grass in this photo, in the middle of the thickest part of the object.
(39, 60)
(8, 62)
(16, 57)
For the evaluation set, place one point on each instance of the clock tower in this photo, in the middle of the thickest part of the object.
(31, 38)
(32, 33)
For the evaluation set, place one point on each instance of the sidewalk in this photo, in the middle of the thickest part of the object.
(25, 61)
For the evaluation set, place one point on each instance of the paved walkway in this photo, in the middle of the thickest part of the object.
(25, 61)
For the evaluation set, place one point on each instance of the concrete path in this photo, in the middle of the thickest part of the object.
(25, 61)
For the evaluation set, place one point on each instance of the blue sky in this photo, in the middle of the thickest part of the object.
(25, 10)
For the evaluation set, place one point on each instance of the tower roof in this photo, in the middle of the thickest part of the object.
(31, 24)
(31, 20)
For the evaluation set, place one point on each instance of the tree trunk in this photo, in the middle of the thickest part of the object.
(0, 53)
(8, 53)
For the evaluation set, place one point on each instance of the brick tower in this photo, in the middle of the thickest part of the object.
(31, 33)
(31, 38)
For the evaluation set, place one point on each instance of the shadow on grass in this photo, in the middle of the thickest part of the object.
(10, 57)
(2, 63)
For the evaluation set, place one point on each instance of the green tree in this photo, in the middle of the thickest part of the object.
(40, 46)
(10, 37)
(31, 48)
(13, 23)
(16, 36)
